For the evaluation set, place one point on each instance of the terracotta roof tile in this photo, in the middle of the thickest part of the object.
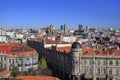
(5, 72)
(66, 49)
(117, 52)
(16, 49)
(48, 41)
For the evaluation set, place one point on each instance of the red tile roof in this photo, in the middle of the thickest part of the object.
(16, 49)
(66, 49)
(90, 51)
(5, 72)
(38, 39)
(117, 52)
(37, 78)
(49, 41)
(6, 47)
(87, 51)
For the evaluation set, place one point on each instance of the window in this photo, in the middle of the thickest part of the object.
(2, 59)
(83, 70)
(98, 62)
(9, 60)
(27, 59)
(91, 71)
(110, 63)
(104, 62)
(76, 62)
(110, 71)
(104, 71)
(90, 62)
(117, 63)
(98, 70)
(85, 61)
(16, 61)
(5, 65)
(117, 71)
(5, 58)
(12, 61)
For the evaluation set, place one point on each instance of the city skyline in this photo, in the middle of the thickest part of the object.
(24, 13)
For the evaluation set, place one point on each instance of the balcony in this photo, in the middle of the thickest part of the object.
(27, 64)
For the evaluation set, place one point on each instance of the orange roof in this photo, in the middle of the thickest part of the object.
(37, 78)
(86, 51)
(117, 52)
(5, 72)
(21, 47)
(66, 49)
(14, 48)
(48, 41)
(6, 46)
(91, 51)
(38, 39)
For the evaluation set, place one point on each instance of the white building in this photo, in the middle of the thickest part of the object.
(3, 39)
(18, 55)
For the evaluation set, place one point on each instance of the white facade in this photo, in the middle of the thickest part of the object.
(3, 38)
(19, 36)
(11, 34)
(23, 63)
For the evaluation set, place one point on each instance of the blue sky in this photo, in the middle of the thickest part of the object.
(27, 13)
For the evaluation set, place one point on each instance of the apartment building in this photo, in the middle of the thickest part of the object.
(19, 55)
(81, 63)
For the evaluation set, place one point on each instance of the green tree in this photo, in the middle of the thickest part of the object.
(43, 68)
(14, 72)
(42, 63)
(30, 71)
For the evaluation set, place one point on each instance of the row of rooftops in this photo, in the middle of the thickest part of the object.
(17, 49)
(49, 41)
(88, 47)
(91, 51)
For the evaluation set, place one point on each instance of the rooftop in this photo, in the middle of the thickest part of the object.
(5, 72)
(64, 49)
(49, 41)
(91, 51)
(16, 49)
(37, 78)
